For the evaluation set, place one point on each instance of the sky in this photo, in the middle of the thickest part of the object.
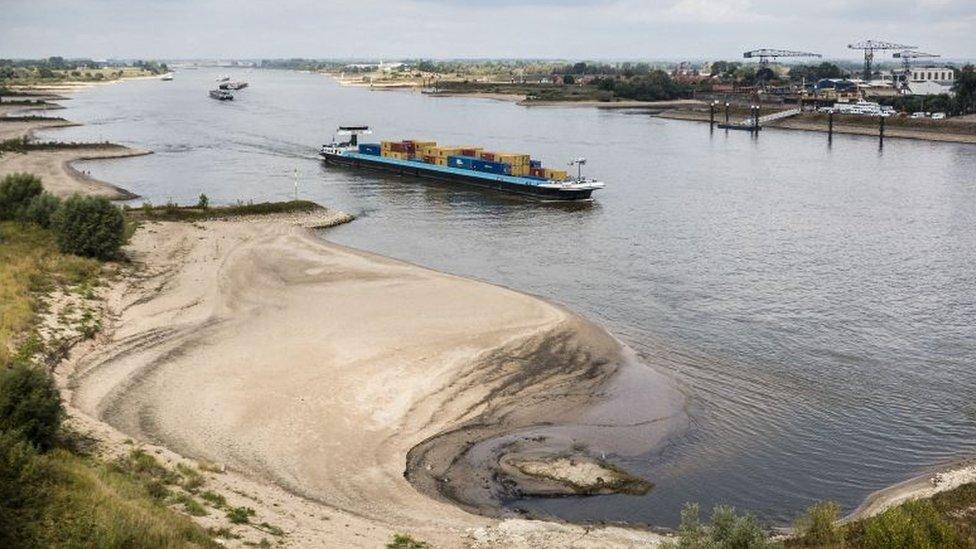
(443, 29)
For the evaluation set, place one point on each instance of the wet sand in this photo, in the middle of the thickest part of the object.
(920, 487)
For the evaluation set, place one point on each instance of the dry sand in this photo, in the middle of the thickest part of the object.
(60, 178)
(317, 368)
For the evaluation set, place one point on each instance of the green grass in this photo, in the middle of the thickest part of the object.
(403, 541)
(91, 504)
(947, 520)
(31, 266)
(240, 515)
(172, 212)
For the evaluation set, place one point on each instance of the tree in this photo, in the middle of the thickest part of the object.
(965, 88)
(204, 202)
(30, 406)
(569, 80)
(16, 192)
(89, 226)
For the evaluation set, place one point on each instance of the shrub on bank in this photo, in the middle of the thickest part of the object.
(726, 531)
(30, 406)
(41, 210)
(89, 226)
(817, 526)
(16, 192)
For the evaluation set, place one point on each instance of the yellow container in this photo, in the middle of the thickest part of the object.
(441, 161)
(556, 175)
(444, 152)
(515, 159)
(521, 170)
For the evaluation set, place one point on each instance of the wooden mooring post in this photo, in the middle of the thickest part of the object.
(881, 130)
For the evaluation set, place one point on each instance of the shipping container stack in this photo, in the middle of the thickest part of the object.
(464, 157)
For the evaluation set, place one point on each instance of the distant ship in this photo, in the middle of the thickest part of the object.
(223, 78)
(509, 172)
(166, 77)
(232, 85)
(222, 95)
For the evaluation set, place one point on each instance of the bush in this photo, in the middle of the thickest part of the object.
(16, 192)
(30, 406)
(204, 202)
(727, 531)
(915, 525)
(817, 526)
(21, 478)
(41, 210)
(89, 226)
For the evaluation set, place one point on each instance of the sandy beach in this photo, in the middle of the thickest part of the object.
(317, 368)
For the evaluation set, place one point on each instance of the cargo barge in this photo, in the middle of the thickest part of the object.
(508, 172)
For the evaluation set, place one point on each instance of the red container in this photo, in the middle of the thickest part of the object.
(488, 156)
(537, 172)
(469, 152)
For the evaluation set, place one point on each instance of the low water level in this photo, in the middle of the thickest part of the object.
(816, 303)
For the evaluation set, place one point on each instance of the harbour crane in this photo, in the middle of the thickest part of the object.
(907, 56)
(871, 46)
(766, 54)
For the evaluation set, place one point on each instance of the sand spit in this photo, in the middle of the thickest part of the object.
(54, 168)
(315, 368)
(54, 165)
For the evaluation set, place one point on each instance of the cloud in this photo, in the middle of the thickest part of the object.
(588, 29)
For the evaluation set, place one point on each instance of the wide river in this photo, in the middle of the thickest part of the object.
(816, 303)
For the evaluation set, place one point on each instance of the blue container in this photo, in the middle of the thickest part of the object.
(535, 163)
(369, 148)
(463, 162)
(493, 167)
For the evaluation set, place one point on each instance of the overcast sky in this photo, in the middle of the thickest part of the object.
(570, 29)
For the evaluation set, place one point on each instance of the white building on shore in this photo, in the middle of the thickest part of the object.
(931, 80)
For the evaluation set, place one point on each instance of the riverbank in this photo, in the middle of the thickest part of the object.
(302, 364)
(53, 162)
(948, 130)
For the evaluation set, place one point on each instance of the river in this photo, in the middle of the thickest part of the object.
(816, 302)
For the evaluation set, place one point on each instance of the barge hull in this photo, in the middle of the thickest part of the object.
(488, 181)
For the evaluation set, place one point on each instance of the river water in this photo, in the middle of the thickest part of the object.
(816, 302)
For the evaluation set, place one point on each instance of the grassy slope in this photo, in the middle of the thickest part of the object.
(78, 501)
(30, 265)
(94, 504)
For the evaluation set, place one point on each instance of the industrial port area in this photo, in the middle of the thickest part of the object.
(904, 87)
